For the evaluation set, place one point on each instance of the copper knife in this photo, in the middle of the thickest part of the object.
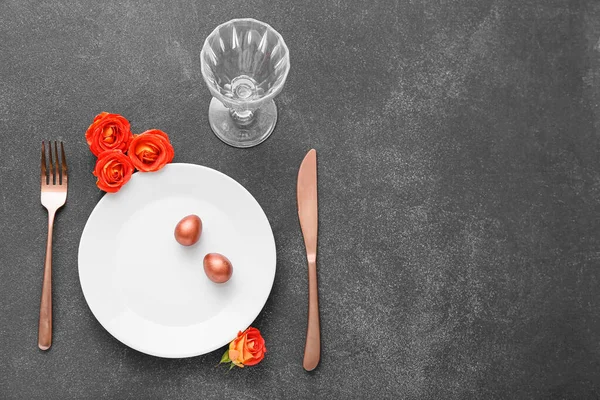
(308, 215)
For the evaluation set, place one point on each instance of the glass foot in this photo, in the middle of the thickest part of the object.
(242, 134)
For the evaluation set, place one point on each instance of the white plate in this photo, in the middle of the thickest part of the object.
(150, 292)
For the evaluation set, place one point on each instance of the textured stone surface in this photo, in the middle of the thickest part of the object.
(459, 190)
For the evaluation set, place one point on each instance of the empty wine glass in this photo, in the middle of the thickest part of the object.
(245, 63)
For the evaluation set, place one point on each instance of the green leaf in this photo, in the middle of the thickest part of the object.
(225, 358)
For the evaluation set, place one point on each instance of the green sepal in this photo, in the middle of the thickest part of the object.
(225, 358)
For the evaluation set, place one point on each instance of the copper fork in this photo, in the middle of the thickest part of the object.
(54, 195)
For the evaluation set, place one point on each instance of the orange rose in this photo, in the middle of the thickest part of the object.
(113, 170)
(108, 132)
(151, 150)
(248, 348)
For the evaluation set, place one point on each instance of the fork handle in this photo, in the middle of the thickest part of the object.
(45, 324)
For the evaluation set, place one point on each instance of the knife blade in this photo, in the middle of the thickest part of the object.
(308, 215)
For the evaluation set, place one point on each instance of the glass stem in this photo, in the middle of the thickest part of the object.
(242, 118)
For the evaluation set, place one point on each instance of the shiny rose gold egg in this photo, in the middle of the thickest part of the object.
(188, 230)
(217, 267)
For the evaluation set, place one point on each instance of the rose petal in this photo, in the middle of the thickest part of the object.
(108, 132)
(233, 355)
(113, 170)
(151, 150)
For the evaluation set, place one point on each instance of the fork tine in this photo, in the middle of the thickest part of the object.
(64, 163)
(44, 174)
(51, 165)
(56, 165)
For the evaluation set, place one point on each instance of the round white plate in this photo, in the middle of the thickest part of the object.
(150, 292)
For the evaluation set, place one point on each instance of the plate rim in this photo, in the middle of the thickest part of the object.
(246, 324)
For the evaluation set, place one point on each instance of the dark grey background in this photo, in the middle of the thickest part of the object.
(459, 191)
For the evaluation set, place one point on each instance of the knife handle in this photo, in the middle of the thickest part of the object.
(312, 349)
